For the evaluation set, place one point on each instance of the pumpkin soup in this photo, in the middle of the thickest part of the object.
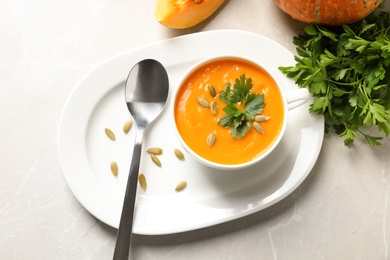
(201, 112)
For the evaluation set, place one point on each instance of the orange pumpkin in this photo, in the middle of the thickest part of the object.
(182, 14)
(328, 12)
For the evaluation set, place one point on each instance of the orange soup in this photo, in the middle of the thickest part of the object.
(195, 122)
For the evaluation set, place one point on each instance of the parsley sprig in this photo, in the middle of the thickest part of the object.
(237, 96)
(347, 70)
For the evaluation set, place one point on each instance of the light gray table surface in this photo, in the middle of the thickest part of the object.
(341, 210)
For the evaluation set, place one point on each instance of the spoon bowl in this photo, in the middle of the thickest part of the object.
(146, 93)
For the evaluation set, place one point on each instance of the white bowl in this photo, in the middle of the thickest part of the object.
(290, 100)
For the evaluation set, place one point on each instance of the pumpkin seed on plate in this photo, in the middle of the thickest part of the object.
(127, 126)
(155, 159)
(155, 150)
(179, 154)
(114, 168)
(142, 181)
(181, 186)
(110, 134)
(203, 102)
(211, 139)
(258, 127)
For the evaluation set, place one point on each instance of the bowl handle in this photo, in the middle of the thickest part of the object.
(297, 97)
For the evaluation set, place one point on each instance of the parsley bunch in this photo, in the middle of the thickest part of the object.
(239, 94)
(347, 70)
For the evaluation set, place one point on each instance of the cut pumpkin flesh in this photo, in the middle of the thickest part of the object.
(182, 14)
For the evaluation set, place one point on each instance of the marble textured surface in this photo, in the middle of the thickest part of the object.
(341, 211)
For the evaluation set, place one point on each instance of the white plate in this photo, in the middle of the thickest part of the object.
(211, 196)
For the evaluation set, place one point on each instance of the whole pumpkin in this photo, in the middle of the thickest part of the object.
(328, 12)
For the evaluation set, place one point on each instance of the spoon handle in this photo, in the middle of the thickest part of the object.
(122, 245)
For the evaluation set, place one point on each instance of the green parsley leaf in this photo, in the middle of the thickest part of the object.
(226, 120)
(236, 119)
(240, 130)
(230, 109)
(373, 140)
(347, 70)
(241, 88)
(226, 95)
(254, 103)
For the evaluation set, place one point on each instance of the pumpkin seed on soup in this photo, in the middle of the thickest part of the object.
(211, 139)
(203, 102)
(110, 134)
(178, 154)
(258, 127)
(214, 107)
(212, 91)
(261, 118)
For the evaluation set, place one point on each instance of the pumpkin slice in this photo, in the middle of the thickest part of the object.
(328, 12)
(182, 14)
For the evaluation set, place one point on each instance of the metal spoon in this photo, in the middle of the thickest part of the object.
(146, 93)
